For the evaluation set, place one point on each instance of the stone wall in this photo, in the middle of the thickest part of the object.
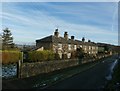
(32, 69)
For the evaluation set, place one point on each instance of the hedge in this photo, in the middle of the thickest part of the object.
(45, 55)
(10, 56)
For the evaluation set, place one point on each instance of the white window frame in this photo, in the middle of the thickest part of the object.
(75, 47)
(59, 46)
(89, 47)
(80, 46)
(69, 47)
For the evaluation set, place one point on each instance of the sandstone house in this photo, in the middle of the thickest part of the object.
(65, 45)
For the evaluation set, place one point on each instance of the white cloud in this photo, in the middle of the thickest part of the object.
(27, 27)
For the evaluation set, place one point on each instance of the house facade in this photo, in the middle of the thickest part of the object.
(65, 45)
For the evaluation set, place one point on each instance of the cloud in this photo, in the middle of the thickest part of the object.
(35, 23)
(115, 18)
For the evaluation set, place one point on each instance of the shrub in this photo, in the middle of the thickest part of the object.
(11, 56)
(51, 55)
(45, 55)
(73, 55)
(64, 56)
(57, 56)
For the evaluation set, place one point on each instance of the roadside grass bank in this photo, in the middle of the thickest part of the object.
(10, 57)
(44, 80)
(114, 84)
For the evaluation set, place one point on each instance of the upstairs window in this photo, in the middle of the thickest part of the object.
(59, 46)
(75, 47)
(89, 47)
(80, 46)
(69, 47)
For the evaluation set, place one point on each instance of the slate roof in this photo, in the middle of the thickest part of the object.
(45, 39)
(55, 39)
(104, 44)
(86, 43)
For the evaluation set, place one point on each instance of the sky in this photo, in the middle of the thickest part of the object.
(29, 21)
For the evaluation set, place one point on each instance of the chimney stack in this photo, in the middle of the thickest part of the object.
(56, 33)
(83, 39)
(66, 35)
(89, 41)
(72, 37)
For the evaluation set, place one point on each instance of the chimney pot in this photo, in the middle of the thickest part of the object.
(56, 33)
(66, 35)
(83, 39)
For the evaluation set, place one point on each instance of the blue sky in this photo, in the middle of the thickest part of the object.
(27, 21)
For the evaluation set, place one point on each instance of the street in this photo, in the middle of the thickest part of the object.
(93, 78)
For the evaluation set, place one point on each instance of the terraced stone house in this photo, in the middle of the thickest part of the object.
(65, 45)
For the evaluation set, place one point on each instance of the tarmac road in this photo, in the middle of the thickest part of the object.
(93, 78)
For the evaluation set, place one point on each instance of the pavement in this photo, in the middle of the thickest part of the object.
(93, 78)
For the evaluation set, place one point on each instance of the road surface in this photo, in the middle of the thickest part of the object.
(93, 78)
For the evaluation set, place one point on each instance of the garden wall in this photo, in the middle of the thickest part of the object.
(32, 69)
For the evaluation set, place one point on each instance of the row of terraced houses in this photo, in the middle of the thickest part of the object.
(66, 45)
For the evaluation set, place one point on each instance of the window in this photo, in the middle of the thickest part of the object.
(69, 55)
(96, 48)
(80, 46)
(75, 47)
(55, 48)
(93, 47)
(59, 46)
(85, 48)
(69, 47)
(89, 47)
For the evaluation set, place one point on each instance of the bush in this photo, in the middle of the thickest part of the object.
(64, 56)
(73, 55)
(51, 55)
(11, 56)
(45, 55)
(57, 56)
